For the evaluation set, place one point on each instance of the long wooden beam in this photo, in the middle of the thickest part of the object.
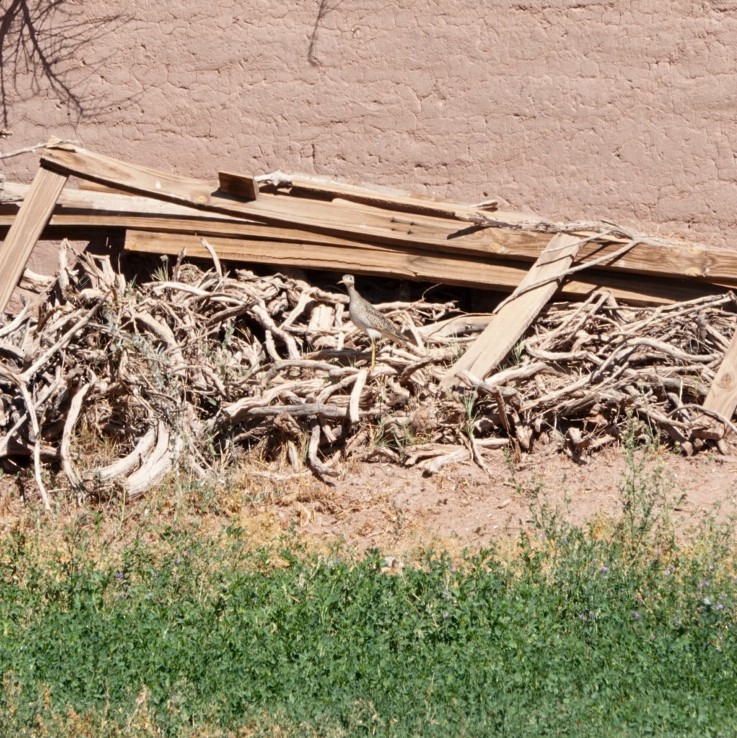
(414, 264)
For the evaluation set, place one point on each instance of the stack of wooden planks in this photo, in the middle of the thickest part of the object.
(298, 220)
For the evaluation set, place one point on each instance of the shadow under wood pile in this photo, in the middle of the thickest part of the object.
(194, 368)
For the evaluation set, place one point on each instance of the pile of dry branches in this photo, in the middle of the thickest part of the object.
(193, 367)
(585, 370)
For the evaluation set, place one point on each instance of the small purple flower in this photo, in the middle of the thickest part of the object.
(604, 569)
(119, 575)
(636, 614)
(719, 606)
(582, 616)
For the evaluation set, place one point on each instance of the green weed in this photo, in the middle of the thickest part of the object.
(192, 634)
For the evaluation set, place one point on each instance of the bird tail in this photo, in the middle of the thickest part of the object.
(399, 338)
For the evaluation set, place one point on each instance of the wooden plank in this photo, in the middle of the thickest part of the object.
(368, 259)
(194, 226)
(118, 174)
(83, 201)
(414, 264)
(338, 217)
(722, 395)
(385, 197)
(718, 266)
(30, 221)
(238, 185)
(510, 323)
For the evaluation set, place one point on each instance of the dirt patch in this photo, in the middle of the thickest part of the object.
(399, 510)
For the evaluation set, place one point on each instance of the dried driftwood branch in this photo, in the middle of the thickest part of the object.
(210, 362)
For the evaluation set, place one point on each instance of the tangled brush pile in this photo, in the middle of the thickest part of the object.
(195, 367)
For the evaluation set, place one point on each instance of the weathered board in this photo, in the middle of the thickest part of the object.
(519, 311)
(27, 226)
(416, 264)
(722, 395)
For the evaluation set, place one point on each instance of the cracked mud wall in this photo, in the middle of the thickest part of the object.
(572, 109)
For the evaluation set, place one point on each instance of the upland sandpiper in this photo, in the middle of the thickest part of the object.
(366, 317)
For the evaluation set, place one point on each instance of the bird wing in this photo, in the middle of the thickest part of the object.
(389, 330)
(366, 317)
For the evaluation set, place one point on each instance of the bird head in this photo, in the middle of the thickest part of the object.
(347, 280)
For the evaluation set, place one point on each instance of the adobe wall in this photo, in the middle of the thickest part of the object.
(570, 108)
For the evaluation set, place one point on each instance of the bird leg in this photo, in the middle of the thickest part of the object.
(373, 354)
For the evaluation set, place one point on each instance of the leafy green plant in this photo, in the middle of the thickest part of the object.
(189, 633)
(643, 492)
(469, 400)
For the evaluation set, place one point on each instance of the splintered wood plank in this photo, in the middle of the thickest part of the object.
(385, 197)
(338, 216)
(722, 396)
(28, 225)
(509, 324)
(118, 174)
(415, 264)
(238, 185)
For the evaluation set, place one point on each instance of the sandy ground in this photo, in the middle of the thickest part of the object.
(399, 510)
